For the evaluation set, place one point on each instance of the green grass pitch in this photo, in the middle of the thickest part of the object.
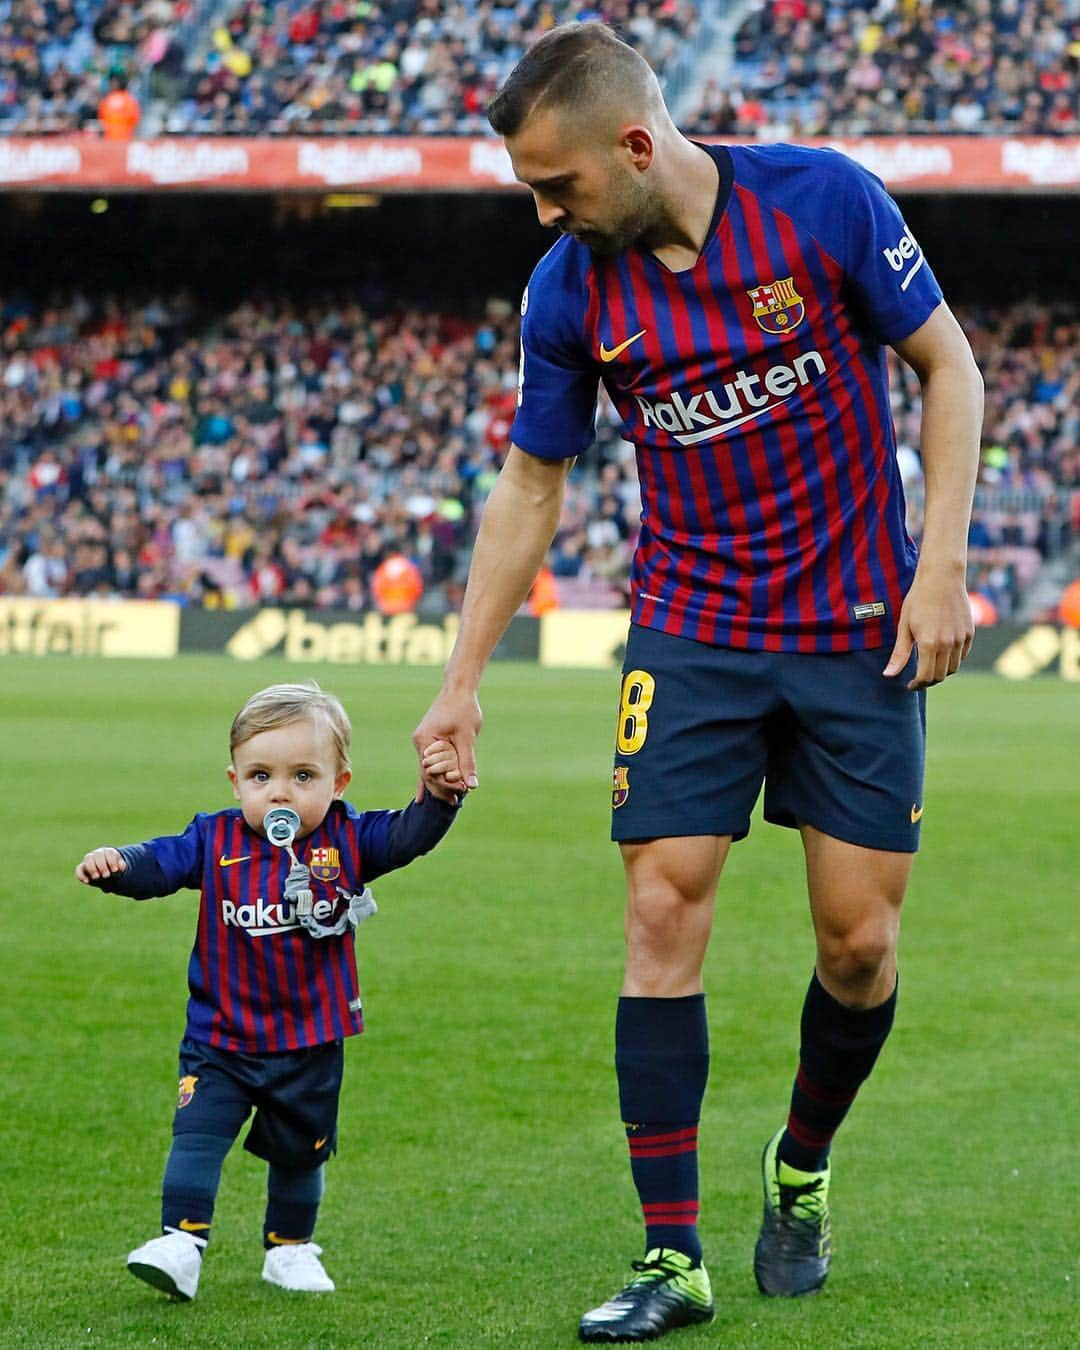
(482, 1195)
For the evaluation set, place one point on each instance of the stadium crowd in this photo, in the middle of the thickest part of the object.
(811, 68)
(60, 59)
(278, 455)
(271, 67)
(256, 67)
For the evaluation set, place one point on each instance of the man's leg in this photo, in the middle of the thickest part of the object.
(662, 1063)
(855, 899)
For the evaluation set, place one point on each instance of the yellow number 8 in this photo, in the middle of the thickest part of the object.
(638, 689)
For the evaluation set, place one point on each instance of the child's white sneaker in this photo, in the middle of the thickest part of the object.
(170, 1263)
(297, 1266)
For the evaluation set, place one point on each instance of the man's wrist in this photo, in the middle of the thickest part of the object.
(461, 683)
(951, 565)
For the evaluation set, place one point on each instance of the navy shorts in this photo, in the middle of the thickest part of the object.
(294, 1094)
(700, 728)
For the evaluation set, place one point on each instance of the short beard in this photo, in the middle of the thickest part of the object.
(636, 214)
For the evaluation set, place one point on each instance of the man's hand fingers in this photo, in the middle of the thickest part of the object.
(924, 669)
(900, 652)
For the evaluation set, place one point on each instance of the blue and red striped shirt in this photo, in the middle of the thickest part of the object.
(754, 388)
(259, 982)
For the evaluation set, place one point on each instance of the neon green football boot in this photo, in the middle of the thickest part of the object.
(667, 1291)
(794, 1246)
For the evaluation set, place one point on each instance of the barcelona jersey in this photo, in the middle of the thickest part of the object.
(258, 981)
(754, 388)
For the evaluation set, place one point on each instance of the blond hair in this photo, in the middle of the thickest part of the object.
(279, 705)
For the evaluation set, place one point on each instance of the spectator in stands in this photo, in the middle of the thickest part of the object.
(277, 457)
(1001, 66)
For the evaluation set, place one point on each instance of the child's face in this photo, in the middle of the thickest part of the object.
(294, 765)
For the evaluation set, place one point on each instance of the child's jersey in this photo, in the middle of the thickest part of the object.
(258, 981)
(754, 388)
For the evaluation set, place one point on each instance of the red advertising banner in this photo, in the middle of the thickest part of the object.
(470, 164)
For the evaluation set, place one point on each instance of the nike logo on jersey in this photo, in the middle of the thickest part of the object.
(609, 354)
(916, 814)
(229, 862)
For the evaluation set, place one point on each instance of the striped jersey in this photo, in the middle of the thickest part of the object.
(754, 388)
(258, 981)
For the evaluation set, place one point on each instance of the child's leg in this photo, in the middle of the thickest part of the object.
(192, 1177)
(292, 1205)
(210, 1111)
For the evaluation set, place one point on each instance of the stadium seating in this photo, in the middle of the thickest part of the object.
(277, 456)
(807, 68)
(801, 67)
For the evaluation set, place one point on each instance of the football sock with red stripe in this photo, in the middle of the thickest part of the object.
(839, 1048)
(662, 1062)
(192, 1177)
(292, 1205)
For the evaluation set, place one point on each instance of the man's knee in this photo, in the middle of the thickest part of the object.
(859, 954)
(670, 889)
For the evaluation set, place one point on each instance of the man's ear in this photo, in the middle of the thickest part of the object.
(639, 143)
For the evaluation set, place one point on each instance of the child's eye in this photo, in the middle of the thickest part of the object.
(303, 776)
(260, 776)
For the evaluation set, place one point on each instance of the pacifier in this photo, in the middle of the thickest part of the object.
(281, 824)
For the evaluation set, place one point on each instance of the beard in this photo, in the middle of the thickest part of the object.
(632, 213)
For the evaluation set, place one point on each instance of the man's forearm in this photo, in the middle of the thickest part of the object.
(518, 525)
(951, 424)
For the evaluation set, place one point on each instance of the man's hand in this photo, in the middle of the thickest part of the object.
(454, 720)
(99, 865)
(935, 617)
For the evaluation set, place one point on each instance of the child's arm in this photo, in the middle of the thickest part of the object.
(391, 839)
(144, 871)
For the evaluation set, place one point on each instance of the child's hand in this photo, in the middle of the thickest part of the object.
(441, 768)
(99, 865)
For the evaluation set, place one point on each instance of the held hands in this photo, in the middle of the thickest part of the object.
(99, 865)
(935, 617)
(445, 744)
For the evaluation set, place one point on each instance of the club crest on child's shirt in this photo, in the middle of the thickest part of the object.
(325, 864)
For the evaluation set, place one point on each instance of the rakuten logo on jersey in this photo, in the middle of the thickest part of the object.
(715, 412)
(259, 919)
(899, 257)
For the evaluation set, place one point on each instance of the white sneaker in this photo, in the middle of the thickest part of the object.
(170, 1263)
(297, 1266)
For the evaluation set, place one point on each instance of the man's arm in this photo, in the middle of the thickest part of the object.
(936, 614)
(518, 525)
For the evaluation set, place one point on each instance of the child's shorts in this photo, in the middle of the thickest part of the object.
(294, 1094)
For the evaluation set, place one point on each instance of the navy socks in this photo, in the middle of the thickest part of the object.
(192, 1176)
(839, 1048)
(662, 1063)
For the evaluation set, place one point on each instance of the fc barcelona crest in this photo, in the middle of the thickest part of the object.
(325, 864)
(620, 786)
(778, 307)
(186, 1092)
